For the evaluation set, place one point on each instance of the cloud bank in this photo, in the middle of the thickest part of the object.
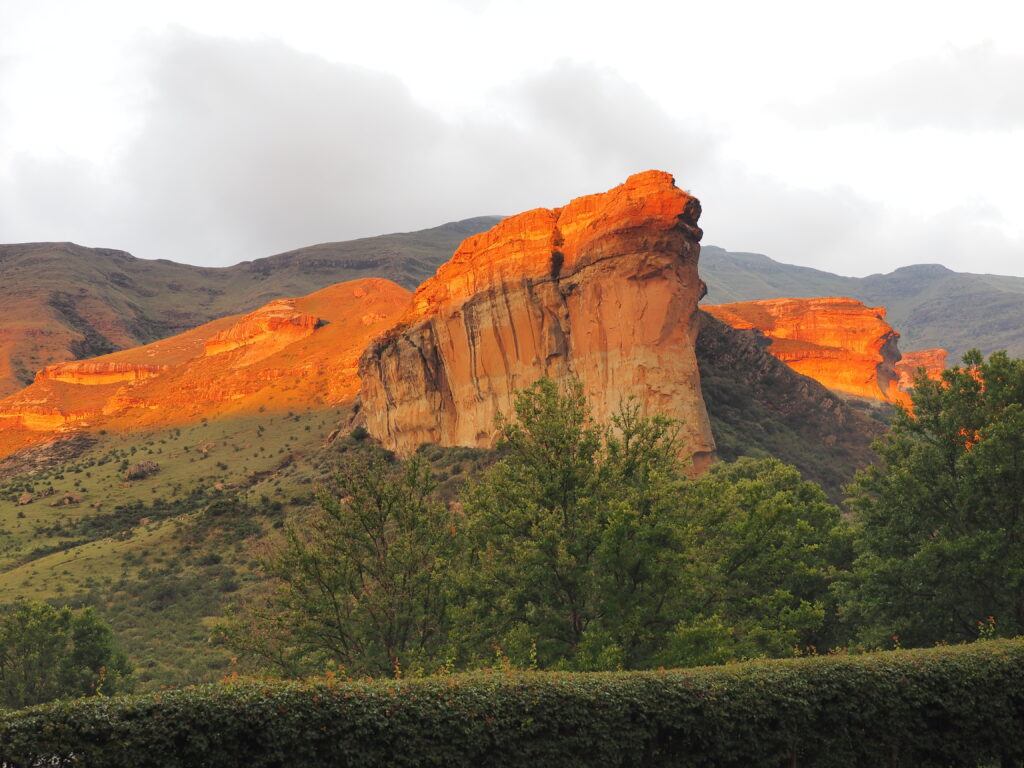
(248, 148)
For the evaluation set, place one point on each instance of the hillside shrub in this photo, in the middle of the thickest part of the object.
(947, 706)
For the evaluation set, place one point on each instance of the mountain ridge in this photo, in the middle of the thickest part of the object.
(65, 301)
(930, 305)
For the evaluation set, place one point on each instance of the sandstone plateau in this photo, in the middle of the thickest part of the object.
(604, 289)
(839, 342)
(932, 360)
(291, 353)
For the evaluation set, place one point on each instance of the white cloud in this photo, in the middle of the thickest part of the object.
(244, 148)
(249, 148)
(965, 89)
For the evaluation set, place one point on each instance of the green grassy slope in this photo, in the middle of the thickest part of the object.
(929, 305)
(63, 301)
(161, 558)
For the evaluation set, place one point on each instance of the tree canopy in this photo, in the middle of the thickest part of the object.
(940, 521)
(50, 653)
(585, 547)
(361, 579)
(590, 543)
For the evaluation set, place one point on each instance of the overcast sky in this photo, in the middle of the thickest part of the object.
(852, 137)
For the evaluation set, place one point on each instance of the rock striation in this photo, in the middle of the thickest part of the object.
(90, 373)
(604, 289)
(291, 353)
(837, 341)
(932, 360)
(269, 329)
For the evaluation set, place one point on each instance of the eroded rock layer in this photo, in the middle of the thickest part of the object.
(91, 373)
(604, 289)
(839, 342)
(932, 360)
(291, 353)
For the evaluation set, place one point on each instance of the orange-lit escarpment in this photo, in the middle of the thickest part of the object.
(604, 289)
(290, 353)
(839, 342)
(93, 373)
(932, 360)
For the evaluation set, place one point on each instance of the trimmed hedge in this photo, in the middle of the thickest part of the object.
(952, 706)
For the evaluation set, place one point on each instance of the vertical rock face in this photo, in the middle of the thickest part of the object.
(932, 360)
(604, 289)
(839, 342)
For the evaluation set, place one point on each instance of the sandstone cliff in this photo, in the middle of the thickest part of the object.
(604, 289)
(839, 342)
(91, 373)
(759, 407)
(292, 353)
(932, 360)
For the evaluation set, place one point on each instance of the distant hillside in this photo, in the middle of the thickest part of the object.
(62, 301)
(929, 305)
(761, 407)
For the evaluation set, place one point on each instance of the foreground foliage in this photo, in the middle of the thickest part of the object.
(941, 519)
(959, 706)
(361, 583)
(585, 548)
(47, 653)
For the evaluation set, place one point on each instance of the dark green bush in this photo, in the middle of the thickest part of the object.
(952, 706)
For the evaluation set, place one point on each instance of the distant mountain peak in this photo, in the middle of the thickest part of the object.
(923, 270)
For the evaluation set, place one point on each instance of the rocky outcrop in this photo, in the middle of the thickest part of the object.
(92, 373)
(839, 342)
(759, 407)
(292, 353)
(265, 331)
(604, 289)
(932, 360)
(141, 470)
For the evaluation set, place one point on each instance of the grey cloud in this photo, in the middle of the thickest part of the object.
(961, 89)
(250, 148)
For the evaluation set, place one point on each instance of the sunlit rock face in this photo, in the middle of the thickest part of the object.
(839, 342)
(932, 360)
(604, 289)
(291, 353)
(265, 331)
(90, 373)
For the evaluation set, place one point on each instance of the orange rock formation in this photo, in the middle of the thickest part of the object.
(604, 289)
(932, 360)
(839, 342)
(265, 331)
(291, 353)
(91, 373)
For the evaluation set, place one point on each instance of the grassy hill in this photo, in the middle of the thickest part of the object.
(63, 301)
(929, 305)
(162, 556)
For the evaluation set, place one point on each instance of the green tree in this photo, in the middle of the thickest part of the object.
(940, 521)
(589, 549)
(574, 535)
(763, 548)
(50, 653)
(362, 581)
